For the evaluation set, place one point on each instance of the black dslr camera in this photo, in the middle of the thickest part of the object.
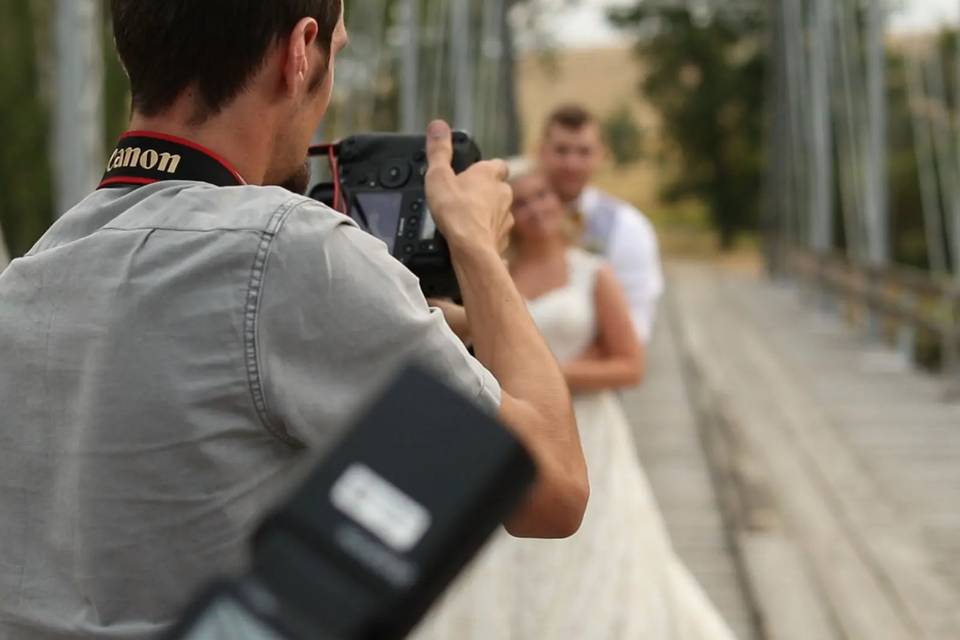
(378, 180)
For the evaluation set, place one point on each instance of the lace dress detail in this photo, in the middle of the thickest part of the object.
(618, 578)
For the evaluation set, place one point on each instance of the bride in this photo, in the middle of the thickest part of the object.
(618, 577)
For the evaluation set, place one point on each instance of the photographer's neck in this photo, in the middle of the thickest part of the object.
(237, 134)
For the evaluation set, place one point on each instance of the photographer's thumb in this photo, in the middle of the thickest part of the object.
(439, 156)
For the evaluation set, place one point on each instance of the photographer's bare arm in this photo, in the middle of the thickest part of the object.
(472, 211)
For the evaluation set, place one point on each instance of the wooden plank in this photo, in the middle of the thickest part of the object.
(916, 472)
(669, 447)
(876, 526)
(791, 603)
(861, 603)
(897, 551)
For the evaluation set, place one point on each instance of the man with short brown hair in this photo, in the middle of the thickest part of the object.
(178, 341)
(571, 153)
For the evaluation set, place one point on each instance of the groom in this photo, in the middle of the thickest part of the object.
(570, 154)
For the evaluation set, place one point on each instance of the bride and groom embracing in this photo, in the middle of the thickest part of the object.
(589, 267)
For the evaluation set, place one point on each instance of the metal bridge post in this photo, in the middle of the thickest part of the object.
(877, 206)
(462, 68)
(410, 118)
(78, 122)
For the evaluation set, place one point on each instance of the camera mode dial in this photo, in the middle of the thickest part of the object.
(395, 174)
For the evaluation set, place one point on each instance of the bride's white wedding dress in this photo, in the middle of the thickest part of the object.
(618, 578)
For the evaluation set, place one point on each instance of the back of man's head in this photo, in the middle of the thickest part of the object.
(213, 47)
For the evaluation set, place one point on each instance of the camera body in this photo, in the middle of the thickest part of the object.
(381, 179)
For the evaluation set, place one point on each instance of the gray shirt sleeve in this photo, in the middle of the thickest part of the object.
(337, 317)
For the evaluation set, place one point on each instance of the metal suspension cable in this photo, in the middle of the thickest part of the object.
(955, 236)
(940, 125)
(461, 68)
(491, 57)
(796, 76)
(78, 123)
(850, 147)
(410, 118)
(821, 167)
(775, 193)
(859, 126)
(875, 152)
(923, 148)
(511, 132)
(375, 56)
(437, 22)
(482, 74)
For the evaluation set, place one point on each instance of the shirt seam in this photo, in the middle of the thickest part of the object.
(149, 227)
(478, 399)
(251, 329)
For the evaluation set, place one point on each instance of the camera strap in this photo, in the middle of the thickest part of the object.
(146, 157)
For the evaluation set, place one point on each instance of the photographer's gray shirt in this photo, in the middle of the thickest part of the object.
(167, 354)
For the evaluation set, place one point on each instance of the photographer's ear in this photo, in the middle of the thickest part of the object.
(303, 56)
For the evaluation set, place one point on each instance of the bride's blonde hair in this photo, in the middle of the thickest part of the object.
(573, 224)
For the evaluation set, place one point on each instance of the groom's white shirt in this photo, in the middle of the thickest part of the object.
(627, 239)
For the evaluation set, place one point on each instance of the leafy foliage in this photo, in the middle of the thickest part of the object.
(906, 206)
(26, 201)
(624, 137)
(706, 79)
(26, 47)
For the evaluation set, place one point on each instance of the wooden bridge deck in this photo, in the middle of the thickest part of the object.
(809, 480)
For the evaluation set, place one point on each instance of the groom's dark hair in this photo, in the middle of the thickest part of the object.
(572, 117)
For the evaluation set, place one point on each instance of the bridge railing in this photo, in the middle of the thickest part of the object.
(918, 311)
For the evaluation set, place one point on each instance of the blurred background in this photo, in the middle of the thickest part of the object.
(701, 100)
(801, 162)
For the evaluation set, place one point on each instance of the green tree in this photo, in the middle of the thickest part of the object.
(26, 185)
(706, 79)
(623, 136)
(943, 113)
(26, 201)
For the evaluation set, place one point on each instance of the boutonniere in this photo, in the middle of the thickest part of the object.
(592, 246)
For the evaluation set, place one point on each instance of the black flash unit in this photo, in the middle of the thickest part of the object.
(379, 529)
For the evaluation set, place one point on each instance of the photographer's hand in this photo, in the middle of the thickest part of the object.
(472, 210)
